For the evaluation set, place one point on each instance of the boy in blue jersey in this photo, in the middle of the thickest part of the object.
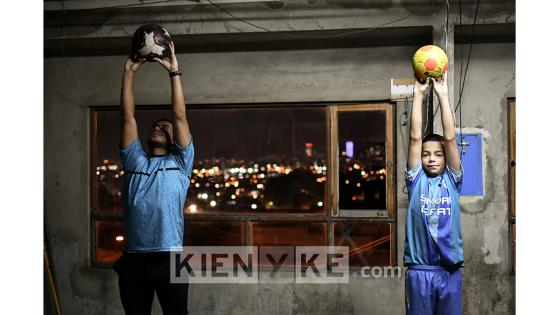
(154, 192)
(433, 242)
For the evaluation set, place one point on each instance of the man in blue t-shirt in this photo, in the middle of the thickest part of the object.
(154, 192)
(433, 243)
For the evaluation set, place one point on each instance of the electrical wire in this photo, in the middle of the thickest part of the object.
(469, 56)
(353, 32)
(306, 36)
(446, 23)
(427, 115)
(404, 117)
(461, 133)
(141, 4)
(235, 17)
(459, 102)
(461, 40)
(65, 58)
(446, 41)
(460, 80)
(219, 7)
(462, 77)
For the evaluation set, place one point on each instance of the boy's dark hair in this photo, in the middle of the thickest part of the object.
(433, 137)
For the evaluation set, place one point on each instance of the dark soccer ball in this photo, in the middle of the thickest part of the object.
(150, 41)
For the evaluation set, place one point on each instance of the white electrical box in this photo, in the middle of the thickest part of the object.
(402, 88)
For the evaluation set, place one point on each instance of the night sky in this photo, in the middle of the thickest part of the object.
(240, 133)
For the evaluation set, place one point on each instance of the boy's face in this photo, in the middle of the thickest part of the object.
(433, 158)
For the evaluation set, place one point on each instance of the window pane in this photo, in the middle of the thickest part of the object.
(210, 233)
(109, 238)
(289, 233)
(247, 160)
(369, 242)
(108, 167)
(361, 159)
(258, 160)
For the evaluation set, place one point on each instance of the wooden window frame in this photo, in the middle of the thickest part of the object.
(332, 213)
(511, 122)
(388, 109)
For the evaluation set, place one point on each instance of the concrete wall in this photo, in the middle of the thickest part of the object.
(487, 282)
(74, 83)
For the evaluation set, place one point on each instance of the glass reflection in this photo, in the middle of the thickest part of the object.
(110, 240)
(247, 160)
(361, 156)
(214, 233)
(370, 243)
(289, 233)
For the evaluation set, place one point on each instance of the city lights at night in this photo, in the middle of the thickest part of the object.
(238, 185)
(289, 177)
(278, 168)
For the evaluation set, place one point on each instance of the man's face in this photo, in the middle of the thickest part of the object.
(433, 158)
(161, 134)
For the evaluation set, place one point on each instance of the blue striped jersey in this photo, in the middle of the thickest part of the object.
(154, 192)
(433, 220)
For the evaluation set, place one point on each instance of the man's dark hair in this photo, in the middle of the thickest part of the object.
(163, 119)
(433, 137)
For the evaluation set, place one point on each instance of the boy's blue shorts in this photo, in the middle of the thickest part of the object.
(433, 290)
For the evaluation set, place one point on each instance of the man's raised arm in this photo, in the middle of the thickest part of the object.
(181, 132)
(129, 130)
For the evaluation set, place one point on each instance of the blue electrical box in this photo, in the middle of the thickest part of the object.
(471, 156)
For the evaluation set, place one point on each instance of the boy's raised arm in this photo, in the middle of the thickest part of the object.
(415, 134)
(450, 143)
